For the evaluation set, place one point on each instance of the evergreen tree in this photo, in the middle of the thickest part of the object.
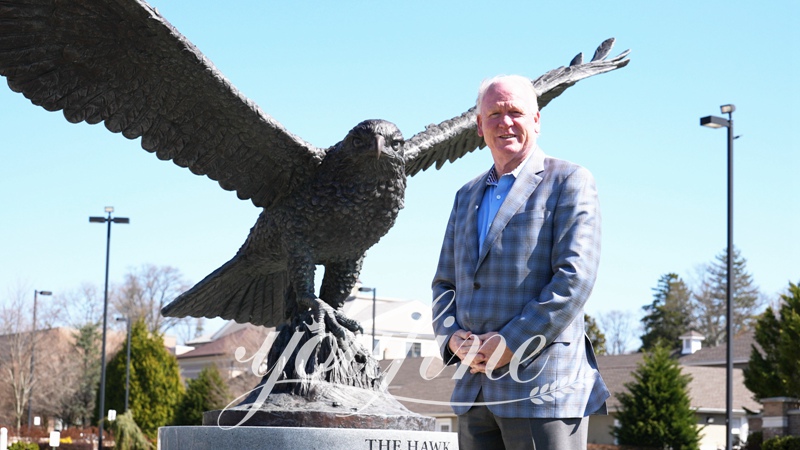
(596, 337)
(788, 348)
(670, 314)
(772, 370)
(207, 392)
(656, 411)
(79, 407)
(128, 435)
(155, 385)
(710, 299)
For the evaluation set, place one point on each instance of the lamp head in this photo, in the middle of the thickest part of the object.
(45, 292)
(714, 122)
(727, 109)
(109, 209)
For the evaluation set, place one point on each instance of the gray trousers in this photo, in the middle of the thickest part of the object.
(479, 429)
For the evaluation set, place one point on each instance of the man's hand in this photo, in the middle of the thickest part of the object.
(492, 354)
(464, 345)
(481, 352)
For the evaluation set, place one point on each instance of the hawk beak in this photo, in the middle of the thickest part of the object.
(379, 143)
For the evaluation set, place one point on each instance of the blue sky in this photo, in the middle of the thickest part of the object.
(321, 67)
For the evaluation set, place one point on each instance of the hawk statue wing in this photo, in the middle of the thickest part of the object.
(458, 136)
(121, 63)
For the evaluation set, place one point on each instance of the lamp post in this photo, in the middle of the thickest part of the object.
(108, 220)
(719, 122)
(373, 290)
(36, 294)
(127, 362)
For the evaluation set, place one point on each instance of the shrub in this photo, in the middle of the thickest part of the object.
(755, 440)
(128, 435)
(782, 443)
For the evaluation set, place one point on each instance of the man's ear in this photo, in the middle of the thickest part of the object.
(480, 129)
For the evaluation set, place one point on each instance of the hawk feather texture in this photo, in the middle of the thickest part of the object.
(119, 62)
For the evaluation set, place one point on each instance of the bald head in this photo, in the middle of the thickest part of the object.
(525, 87)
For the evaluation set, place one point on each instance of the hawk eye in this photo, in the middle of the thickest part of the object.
(358, 142)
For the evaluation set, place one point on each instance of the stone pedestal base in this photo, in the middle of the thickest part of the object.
(245, 438)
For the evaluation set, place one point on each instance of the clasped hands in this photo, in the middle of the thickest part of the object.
(481, 352)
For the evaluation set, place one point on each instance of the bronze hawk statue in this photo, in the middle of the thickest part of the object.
(119, 62)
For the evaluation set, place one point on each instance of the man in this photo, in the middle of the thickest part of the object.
(518, 262)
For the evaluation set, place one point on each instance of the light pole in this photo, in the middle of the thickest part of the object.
(108, 220)
(719, 122)
(373, 290)
(36, 294)
(127, 362)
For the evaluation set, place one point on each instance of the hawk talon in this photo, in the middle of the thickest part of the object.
(329, 319)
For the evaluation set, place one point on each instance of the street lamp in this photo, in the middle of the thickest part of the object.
(127, 362)
(719, 122)
(373, 290)
(108, 220)
(36, 294)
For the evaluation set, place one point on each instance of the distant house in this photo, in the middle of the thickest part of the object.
(220, 349)
(402, 327)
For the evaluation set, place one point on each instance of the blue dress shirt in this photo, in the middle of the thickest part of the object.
(494, 195)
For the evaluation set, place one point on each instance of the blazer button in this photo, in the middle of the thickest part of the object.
(476, 285)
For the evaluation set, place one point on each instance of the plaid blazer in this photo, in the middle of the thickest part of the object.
(529, 282)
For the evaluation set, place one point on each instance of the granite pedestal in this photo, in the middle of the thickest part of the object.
(246, 438)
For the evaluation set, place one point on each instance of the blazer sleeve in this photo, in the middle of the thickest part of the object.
(444, 292)
(574, 259)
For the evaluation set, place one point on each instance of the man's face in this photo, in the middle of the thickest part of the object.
(509, 122)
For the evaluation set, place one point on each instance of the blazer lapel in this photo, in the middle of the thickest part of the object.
(520, 192)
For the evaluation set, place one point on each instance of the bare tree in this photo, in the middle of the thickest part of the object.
(80, 306)
(619, 328)
(189, 328)
(145, 291)
(69, 364)
(57, 371)
(16, 378)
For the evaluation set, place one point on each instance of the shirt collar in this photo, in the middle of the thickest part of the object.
(492, 178)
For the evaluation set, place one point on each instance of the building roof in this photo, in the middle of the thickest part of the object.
(706, 389)
(717, 356)
(692, 334)
(247, 335)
